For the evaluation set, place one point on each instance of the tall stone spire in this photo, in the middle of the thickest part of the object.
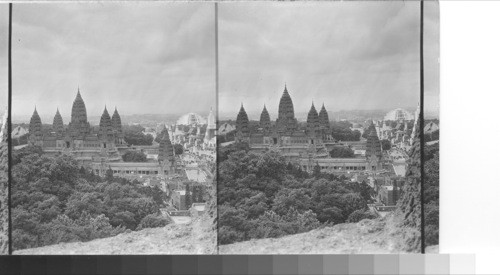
(116, 122)
(105, 126)
(286, 116)
(58, 124)
(35, 129)
(373, 145)
(265, 120)
(285, 109)
(324, 122)
(242, 121)
(312, 121)
(166, 149)
(79, 125)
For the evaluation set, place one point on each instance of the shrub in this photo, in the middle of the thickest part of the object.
(360, 215)
(153, 221)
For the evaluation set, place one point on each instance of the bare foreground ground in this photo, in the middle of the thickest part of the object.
(197, 237)
(364, 237)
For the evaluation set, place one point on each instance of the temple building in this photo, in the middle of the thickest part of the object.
(97, 148)
(304, 144)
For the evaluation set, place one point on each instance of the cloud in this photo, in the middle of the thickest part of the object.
(349, 55)
(153, 57)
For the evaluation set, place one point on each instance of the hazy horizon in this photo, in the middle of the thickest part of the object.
(147, 57)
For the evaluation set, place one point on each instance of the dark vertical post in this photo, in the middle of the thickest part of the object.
(421, 118)
(217, 120)
(9, 128)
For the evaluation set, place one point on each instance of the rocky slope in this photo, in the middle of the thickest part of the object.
(378, 236)
(197, 237)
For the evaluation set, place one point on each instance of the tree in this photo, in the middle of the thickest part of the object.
(178, 149)
(341, 152)
(134, 135)
(386, 144)
(359, 215)
(109, 175)
(316, 171)
(134, 156)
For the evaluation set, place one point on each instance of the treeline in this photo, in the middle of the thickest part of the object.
(262, 195)
(133, 135)
(55, 200)
(341, 130)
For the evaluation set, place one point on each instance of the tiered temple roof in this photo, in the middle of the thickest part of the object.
(35, 127)
(312, 121)
(324, 121)
(373, 145)
(242, 121)
(166, 150)
(105, 127)
(286, 121)
(79, 126)
(265, 120)
(116, 122)
(58, 124)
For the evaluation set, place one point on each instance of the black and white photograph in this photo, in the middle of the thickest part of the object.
(318, 126)
(113, 128)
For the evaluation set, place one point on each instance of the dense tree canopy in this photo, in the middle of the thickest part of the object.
(431, 194)
(134, 135)
(262, 195)
(55, 200)
(386, 144)
(134, 156)
(178, 149)
(341, 130)
(341, 152)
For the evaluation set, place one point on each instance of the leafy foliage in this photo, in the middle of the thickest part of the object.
(341, 152)
(341, 130)
(261, 195)
(134, 156)
(178, 149)
(133, 135)
(54, 200)
(386, 144)
(431, 194)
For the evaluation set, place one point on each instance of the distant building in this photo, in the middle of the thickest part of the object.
(101, 148)
(178, 199)
(191, 119)
(305, 145)
(389, 194)
(19, 132)
(398, 115)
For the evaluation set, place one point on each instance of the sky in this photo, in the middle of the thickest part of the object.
(143, 58)
(4, 30)
(348, 55)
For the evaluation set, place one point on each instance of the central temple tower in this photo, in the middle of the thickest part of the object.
(286, 122)
(79, 127)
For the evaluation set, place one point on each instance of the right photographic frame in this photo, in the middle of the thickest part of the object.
(324, 119)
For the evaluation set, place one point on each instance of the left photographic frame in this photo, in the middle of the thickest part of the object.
(4, 86)
(113, 128)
